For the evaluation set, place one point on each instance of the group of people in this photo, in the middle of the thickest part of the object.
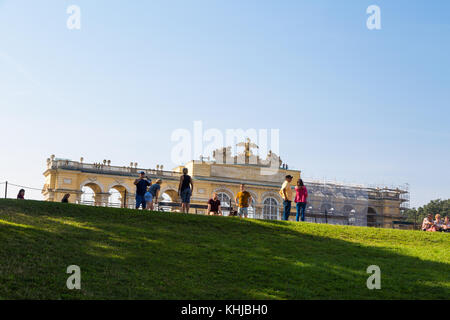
(301, 195)
(147, 193)
(436, 225)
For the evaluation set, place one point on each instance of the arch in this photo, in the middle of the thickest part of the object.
(254, 195)
(96, 186)
(172, 194)
(118, 187)
(225, 201)
(168, 194)
(350, 214)
(371, 217)
(118, 198)
(271, 208)
(371, 210)
(98, 196)
(171, 191)
(271, 194)
(168, 188)
(225, 190)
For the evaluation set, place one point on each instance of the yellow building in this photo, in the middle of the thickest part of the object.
(327, 202)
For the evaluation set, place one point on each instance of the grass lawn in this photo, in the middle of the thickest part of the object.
(127, 254)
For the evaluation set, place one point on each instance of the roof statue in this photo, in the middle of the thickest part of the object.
(224, 156)
(248, 145)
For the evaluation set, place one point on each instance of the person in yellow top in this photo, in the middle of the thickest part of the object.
(286, 194)
(243, 200)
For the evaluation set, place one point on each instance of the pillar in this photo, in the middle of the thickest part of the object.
(101, 199)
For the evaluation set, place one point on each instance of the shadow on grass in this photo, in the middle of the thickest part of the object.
(141, 255)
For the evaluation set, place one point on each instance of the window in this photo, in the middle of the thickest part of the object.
(251, 210)
(371, 217)
(270, 210)
(225, 202)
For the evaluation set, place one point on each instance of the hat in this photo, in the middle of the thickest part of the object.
(142, 172)
(289, 176)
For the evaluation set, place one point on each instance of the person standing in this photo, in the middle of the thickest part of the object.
(21, 194)
(66, 197)
(153, 193)
(301, 194)
(243, 200)
(286, 194)
(141, 188)
(185, 189)
(214, 207)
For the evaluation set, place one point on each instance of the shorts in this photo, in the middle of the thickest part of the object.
(186, 195)
(148, 197)
(243, 211)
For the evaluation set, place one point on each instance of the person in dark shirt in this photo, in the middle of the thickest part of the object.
(66, 197)
(141, 188)
(21, 194)
(185, 189)
(214, 208)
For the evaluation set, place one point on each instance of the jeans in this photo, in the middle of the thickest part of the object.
(287, 209)
(301, 206)
(140, 200)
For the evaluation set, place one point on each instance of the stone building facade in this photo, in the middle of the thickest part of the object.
(327, 203)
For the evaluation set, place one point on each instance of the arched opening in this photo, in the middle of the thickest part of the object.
(117, 196)
(349, 213)
(225, 202)
(170, 196)
(270, 209)
(90, 192)
(371, 217)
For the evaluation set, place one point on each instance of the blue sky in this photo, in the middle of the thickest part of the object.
(351, 104)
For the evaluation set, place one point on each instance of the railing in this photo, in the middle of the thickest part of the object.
(107, 169)
(198, 208)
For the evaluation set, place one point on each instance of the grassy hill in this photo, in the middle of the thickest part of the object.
(127, 254)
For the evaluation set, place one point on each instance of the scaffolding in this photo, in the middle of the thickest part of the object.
(354, 204)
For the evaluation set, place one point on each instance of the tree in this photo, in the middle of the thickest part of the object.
(434, 207)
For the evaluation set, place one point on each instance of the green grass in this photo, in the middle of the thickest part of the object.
(127, 254)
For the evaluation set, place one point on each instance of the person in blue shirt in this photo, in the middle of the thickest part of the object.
(153, 194)
(141, 188)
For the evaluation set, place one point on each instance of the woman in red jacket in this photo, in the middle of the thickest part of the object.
(301, 194)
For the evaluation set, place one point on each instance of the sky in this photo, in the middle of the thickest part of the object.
(351, 104)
